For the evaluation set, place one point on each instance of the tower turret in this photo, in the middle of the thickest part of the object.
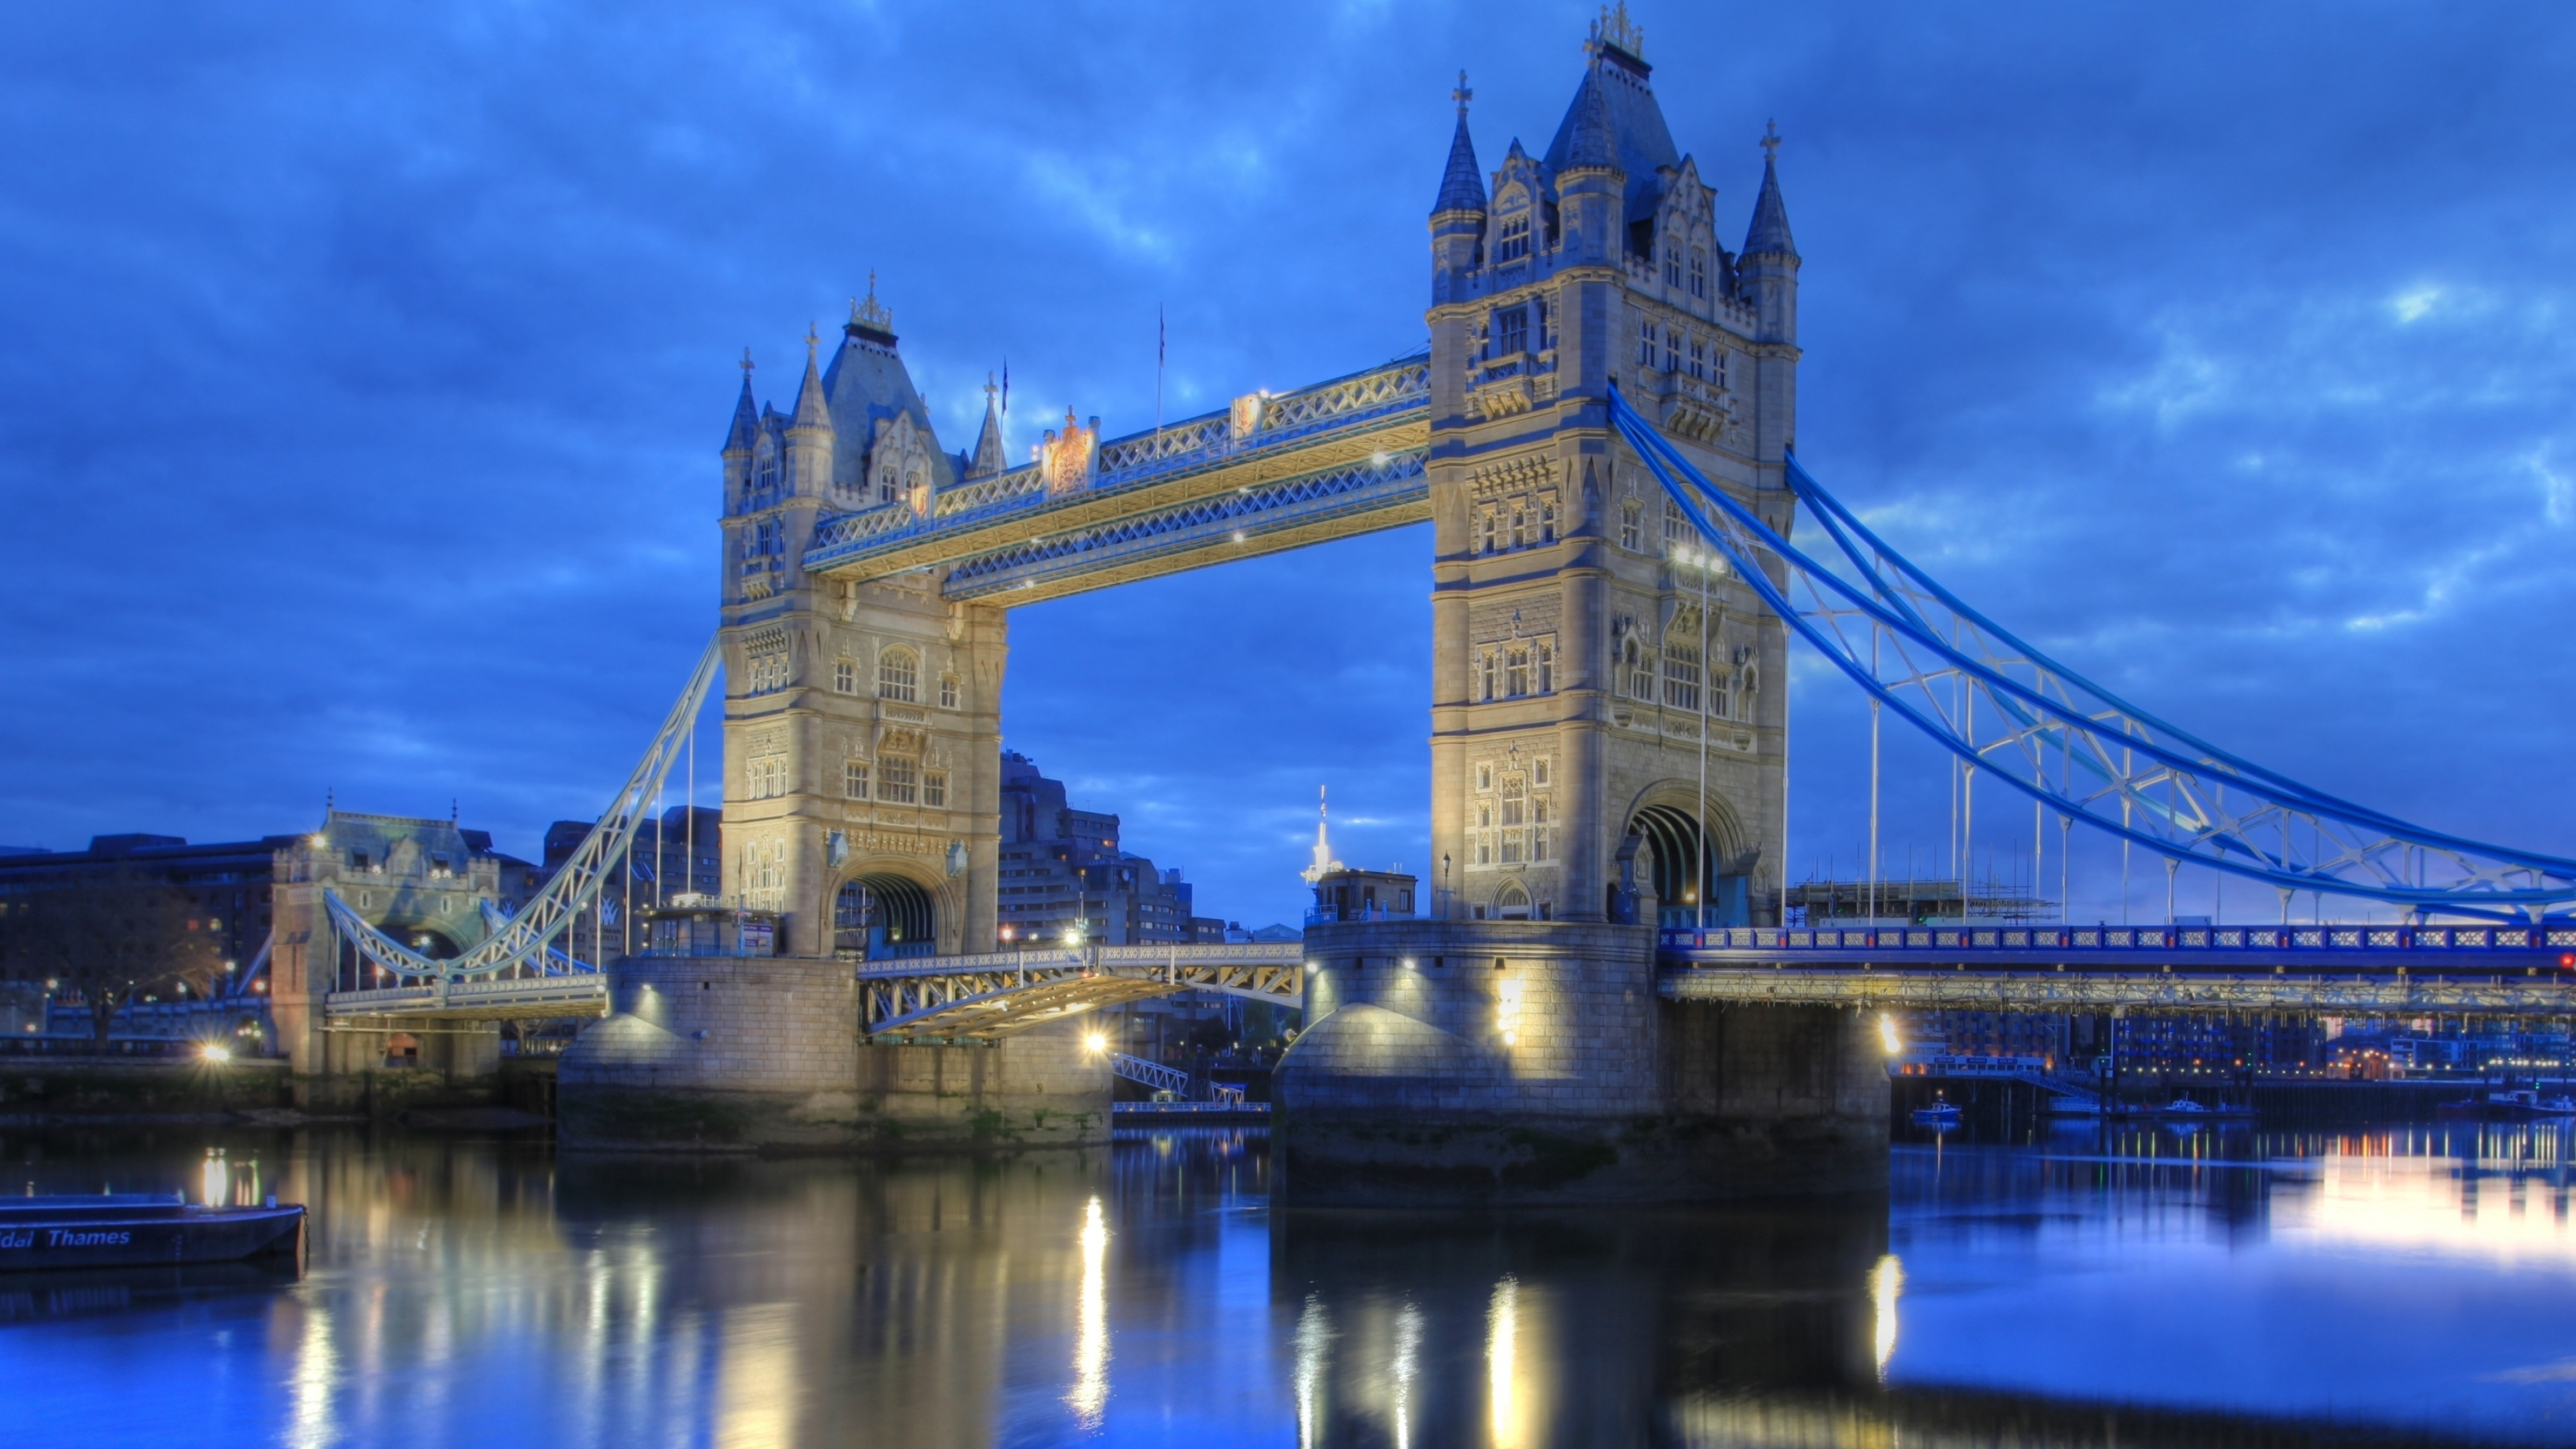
(1589, 181)
(1769, 265)
(740, 440)
(988, 457)
(809, 430)
(1458, 213)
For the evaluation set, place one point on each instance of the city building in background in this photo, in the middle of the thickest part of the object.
(1064, 876)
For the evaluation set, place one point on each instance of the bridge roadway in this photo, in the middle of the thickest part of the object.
(2335, 970)
(578, 993)
(2331, 970)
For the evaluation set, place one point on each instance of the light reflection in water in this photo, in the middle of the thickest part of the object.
(1886, 1281)
(1408, 1349)
(465, 1290)
(316, 1375)
(1314, 1333)
(1502, 1364)
(1091, 1333)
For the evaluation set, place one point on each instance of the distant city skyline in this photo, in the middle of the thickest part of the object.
(361, 438)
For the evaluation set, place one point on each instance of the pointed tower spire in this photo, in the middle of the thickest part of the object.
(1323, 864)
(988, 444)
(1769, 235)
(1462, 185)
(746, 414)
(1590, 142)
(811, 411)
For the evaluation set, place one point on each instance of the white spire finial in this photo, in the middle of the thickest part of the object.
(1323, 863)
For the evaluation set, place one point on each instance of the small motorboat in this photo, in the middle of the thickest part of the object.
(2510, 1104)
(1939, 1114)
(2184, 1109)
(124, 1229)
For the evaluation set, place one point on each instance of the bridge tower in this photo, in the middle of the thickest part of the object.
(1605, 751)
(861, 719)
(1590, 668)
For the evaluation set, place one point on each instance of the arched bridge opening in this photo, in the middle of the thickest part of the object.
(1694, 878)
(881, 916)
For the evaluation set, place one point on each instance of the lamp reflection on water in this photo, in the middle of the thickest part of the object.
(1886, 1281)
(1091, 1333)
(1504, 1409)
(1314, 1331)
(1408, 1352)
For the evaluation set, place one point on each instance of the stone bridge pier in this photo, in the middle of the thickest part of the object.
(1532, 1061)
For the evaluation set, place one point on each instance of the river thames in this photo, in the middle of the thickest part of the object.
(2077, 1286)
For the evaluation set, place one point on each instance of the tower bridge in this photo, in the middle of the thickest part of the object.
(1600, 433)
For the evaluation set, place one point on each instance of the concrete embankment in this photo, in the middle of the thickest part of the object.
(65, 1089)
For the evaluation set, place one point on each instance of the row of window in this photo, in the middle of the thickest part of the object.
(1513, 671)
(1677, 684)
(1681, 350)
(898, 781)
(1521, 524)
(1533, 846)
(1675, 267)
(898, 677)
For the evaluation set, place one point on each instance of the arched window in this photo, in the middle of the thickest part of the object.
(1673, 260)
(1632, 527)
(1520, 528)
(1546, 668)
(1681, 661)
(1646, 343)
(1699, 272)
(1516, 664)
(1512, 903)
(1640, 670)
(1513, 240)
(764, 467)
(899, 676)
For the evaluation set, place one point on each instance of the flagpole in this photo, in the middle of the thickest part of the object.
(1162, 339)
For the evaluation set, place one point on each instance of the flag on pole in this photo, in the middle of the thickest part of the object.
(1006, 387)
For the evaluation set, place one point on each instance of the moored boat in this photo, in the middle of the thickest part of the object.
(2509, 1104)
(114, 1230)
(2184, 1109)
(1939, 1114)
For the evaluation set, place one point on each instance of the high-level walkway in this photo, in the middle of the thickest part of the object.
(1272, 472)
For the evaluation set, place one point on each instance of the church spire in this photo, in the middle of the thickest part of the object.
(1462, 185)
(1770, 233)
(988, 458)
(746, 415)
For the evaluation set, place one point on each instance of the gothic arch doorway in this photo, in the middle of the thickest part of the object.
(1696, 880)
(881, 915)
(1511, 903)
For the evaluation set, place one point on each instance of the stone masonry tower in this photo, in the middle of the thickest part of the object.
(1605, 754)
(862, 744)
(1590, 668)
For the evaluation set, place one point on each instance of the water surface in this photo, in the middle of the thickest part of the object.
(2123, 1287)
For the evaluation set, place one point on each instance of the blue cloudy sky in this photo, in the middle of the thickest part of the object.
(365, 367)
